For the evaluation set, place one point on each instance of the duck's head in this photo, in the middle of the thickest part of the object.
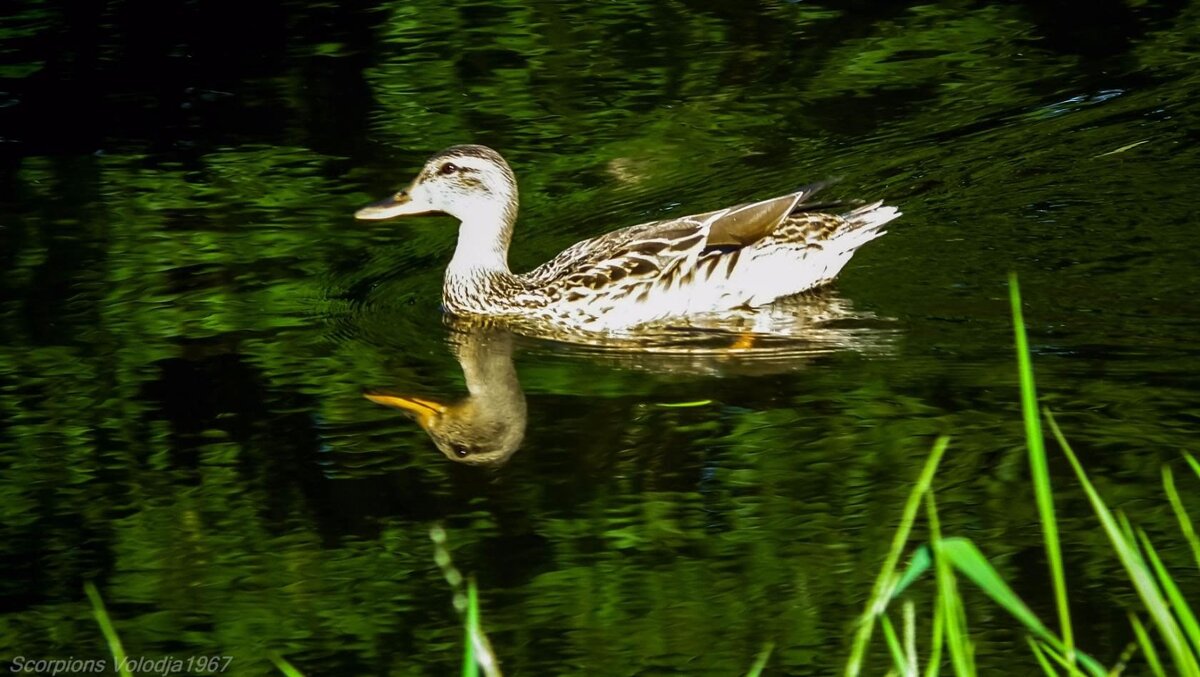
(471, 183)
(465, 432)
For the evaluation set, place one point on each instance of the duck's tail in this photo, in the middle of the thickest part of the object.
(794, 267)
(867, 221)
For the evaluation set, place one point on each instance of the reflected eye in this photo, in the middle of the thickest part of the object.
(447, 169)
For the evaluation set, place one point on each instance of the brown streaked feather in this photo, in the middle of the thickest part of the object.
(811, 227)
(641, 266)
(647, 247)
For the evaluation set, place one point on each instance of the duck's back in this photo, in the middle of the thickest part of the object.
(746, 255)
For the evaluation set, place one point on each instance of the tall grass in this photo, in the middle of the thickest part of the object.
(106, 628)
(1170, 616)
(120, 662)
(477, 649)
(1039, 471)
(886, 583)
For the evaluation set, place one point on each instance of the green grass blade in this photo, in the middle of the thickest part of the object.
(1185, 521)
(1127, 531)
(283, 665)
(1183, 612)
(1057, 657)
(107, 629)
(477, 650)
(918, 564)
(957, 639)
(481, 647)
(937, 636)
(1147, 645)
(1118, 668)
(899, 660)
(1139, 574)
(1194, 463)
(885, 582)
(684, 405)
(965, 557)
(470, 664)
(910, 637)
(761, 661)
(1039, 468)
(1041, 657)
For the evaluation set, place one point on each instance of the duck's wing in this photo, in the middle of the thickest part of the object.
(664, 251)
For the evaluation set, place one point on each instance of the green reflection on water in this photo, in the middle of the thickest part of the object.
(191, 317)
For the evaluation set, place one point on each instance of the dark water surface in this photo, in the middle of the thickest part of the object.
(191, 316)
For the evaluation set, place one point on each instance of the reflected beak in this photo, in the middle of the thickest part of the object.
(400, 204)
(424, 411)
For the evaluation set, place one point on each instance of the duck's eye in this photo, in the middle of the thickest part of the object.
(460, 451)
(447, 169)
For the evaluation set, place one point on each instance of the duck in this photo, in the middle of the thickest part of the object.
(706, 264)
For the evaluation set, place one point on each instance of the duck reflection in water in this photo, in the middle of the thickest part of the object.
(487, 426)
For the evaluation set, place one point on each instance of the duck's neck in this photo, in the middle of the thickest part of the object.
(479, 270)
(491, 377)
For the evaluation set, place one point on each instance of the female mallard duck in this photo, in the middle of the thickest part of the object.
(748, 255)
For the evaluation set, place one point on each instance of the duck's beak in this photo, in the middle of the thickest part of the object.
(400, 204)
(424, 411)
